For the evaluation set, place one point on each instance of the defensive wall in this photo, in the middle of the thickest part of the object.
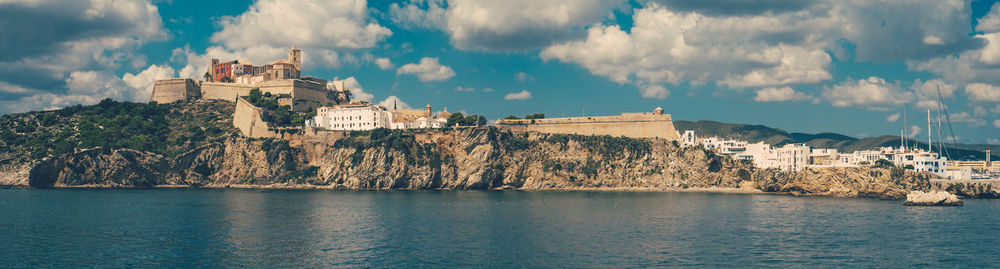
(174, 90)
(249, 119)
(634, 125)
(305, 95)
(301, 95)
(224, 91)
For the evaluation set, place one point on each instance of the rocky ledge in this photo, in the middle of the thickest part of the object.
(477, 159)
(932, 198)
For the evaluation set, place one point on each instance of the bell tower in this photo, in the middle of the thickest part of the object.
(295, 56)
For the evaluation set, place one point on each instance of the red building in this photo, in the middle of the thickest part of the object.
(222, 70)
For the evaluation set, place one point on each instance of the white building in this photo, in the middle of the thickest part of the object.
(353, 117)
(360, 117)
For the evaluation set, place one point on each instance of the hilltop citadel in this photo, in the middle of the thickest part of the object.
(331, 113)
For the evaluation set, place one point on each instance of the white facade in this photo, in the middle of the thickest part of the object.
(360, 117)
(351, 117)
(688, 139)
(794, 157)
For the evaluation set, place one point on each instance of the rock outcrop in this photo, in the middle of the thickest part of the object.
(933, 198)
(484, 158)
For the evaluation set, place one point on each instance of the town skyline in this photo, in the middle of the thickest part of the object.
(844, 67)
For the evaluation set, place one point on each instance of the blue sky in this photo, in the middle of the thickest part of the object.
(802, 66)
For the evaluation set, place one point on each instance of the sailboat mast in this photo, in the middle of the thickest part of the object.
(929, 143)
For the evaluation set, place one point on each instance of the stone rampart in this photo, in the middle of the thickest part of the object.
(634, 125)
(224, 91)
(249, 119)
(174, 90)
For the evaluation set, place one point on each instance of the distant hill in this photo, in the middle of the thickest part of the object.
(774, 136)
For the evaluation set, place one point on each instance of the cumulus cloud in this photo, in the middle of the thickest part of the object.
(427, 70)
(309, 23)
(872, 93)
(780, 95)
(143, 82)
(327, 32)
(967, 118)
(44, 43)
(996, 123)
(914, 131)
(460, 89)
(419, 14)
(522, 95)
(654, 91)
(670, 47)
(980, 92)
(514, 25)
(357, 92)
(994, 141)
(766, 44)
(393, 102)
(991, 21)
(384, 63)
(892, 118)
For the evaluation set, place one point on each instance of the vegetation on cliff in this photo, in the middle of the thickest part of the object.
(159, 128)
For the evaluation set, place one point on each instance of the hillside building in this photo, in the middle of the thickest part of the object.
(363, 116)
(281, 78)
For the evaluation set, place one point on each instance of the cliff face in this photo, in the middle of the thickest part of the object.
(468, 159)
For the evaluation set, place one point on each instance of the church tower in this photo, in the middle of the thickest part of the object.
(295, 56)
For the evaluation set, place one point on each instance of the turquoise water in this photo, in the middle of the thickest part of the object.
(243, 228)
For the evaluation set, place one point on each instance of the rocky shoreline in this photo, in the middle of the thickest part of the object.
(470, 159)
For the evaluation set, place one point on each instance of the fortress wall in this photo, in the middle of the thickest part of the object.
(307, 95)
(224, 91)
(634, 125)
(250, 120)
(174, 90)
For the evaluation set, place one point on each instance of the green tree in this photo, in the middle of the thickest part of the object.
(455, 119)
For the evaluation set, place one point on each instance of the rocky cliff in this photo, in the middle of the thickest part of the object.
(485, 158)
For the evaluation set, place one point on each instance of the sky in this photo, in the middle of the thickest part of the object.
(843, 66)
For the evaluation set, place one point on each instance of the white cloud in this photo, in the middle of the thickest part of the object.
(871, 93)
(307, 23)
(523, 77)
(892, 118)
(393, 102)
(522, 95)
(327, 32)
(47, 44)
(914, 131)
(513, 25)
(654, 91)
(996, 123)
(669, 47)
(357, 92)
(419, 14)
(427, 70)
(991, 21)
(967, 118)
(780, 95)
(460, 89)
(993, 141)
(143, 82)
(980, 92)
(384, 63)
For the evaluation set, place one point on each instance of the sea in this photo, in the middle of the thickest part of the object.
(221, 228)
